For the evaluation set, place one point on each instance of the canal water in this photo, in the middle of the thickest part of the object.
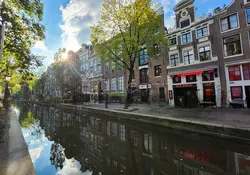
(73, 142)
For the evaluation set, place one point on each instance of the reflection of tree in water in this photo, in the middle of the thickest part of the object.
(57, 156)
(36, 129)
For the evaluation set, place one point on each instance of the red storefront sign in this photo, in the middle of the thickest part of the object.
(191, 73)
(184, 85)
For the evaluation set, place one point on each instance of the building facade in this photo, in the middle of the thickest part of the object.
(232, 29)
(150, 71)
(115, 79)
(193, 76)
(91, 70)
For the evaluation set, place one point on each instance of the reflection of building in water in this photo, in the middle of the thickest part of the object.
(242, 163)
(116, 146)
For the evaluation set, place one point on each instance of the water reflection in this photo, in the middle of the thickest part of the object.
(83, 143)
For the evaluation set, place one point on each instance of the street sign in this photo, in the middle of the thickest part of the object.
(143, 86)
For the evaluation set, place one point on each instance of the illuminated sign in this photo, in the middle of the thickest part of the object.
(191, 73)
(184, 85)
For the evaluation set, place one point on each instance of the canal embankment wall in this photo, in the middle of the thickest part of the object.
(211, 128)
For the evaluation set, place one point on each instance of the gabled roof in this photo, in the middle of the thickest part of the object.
(182, 4)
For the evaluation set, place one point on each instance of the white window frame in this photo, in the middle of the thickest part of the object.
(232, 55)
(112, 88)
(245, 2)
(121, 83)
(183, 19)
(246, 15)
(202, 45)
(107, 85)
(190, 37)
(185, 50)
(176, 37)
(226, 17)
(174, 53)
(208, 33)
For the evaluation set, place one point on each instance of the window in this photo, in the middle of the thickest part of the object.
(202, 32)
(99, 70)
(174, 60)
(185, 23)
(144, 76)
(234, 73)
(114, 129)
(246, 71)
(113, 84)
(248, 15)
(188, 57)
(108, 161)
(236, 92)
(172, 41)
(209, 93)
(208, 76)
(121, 83)
(232, 45)
(230, 22)
(107, 85)
(186, 38)
(148, 169)
(176, 79)
(115, 163)
(158, 70)
(156, 49)
(134, 139)
(205, 53)
(143, 59)
(148, 143)
(122, 132)
(191, 78)
(246, 1)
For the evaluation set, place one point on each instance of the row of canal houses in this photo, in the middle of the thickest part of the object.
(111, 146)
(208, 61)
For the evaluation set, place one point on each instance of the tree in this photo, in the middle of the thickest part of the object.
(22, 21)
(124, 29)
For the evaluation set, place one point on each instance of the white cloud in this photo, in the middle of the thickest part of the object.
(78, 16)
(35, 153)
(40, 45)
(170, 21)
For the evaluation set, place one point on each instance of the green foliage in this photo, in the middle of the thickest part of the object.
(28, 121)
(117, 97)
(22, 21)
(125, 28)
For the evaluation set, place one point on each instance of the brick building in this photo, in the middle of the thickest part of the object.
(193, 65)
(232, 26)
(150, 71)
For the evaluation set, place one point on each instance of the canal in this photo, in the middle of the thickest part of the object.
(73, 142)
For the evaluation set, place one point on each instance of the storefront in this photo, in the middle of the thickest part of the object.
(191, 89)
(238, 83)
(144, 88)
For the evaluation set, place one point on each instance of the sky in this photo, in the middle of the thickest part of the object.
(67, 22)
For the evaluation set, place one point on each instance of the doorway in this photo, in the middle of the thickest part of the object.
(186, 97)
(247, 89)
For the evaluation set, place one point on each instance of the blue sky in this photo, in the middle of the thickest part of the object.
(67, 22)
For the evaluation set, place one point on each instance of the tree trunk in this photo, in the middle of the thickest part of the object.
(128, 98)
